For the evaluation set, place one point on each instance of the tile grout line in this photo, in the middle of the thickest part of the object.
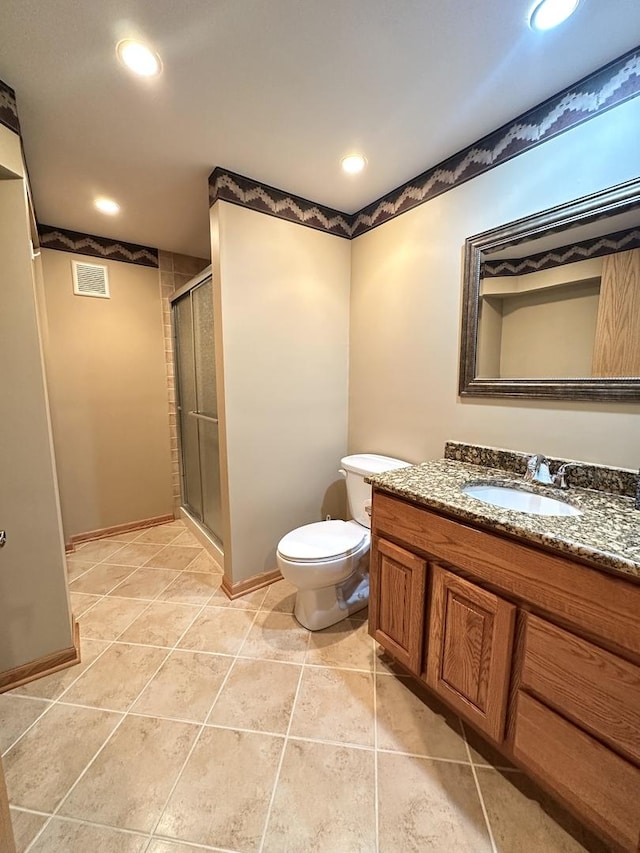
(121, 830)
(228, 673)
(52, 702)
(124, 715)
(203, 726)
(197, 611)
(104, 594)
(479, 790)
(148, 837)
(296, 738)
(238, 656)
(149, 601)
(103, 561)
(30, 811)
(106, 560)
(284, 748)
(191, 844)
(435, 758)
(84, 821)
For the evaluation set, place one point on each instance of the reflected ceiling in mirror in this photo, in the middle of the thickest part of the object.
(552, 302)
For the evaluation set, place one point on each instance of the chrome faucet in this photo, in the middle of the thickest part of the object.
(538, 472)
(560, 478)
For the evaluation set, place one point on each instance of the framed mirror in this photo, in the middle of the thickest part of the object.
(551, 303)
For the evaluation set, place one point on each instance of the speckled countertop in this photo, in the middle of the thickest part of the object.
(606, 534)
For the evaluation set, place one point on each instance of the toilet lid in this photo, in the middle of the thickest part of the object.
(321, 540)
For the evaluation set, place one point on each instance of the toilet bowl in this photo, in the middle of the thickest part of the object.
(328, 561)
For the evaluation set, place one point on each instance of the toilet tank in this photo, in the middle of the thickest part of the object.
(355, 468)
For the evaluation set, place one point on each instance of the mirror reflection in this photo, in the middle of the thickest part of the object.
(563, 304)
(551, 302)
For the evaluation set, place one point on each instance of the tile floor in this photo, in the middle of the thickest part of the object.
(194, 723)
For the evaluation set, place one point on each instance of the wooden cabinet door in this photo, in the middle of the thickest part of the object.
(469, 649)
(397, 602)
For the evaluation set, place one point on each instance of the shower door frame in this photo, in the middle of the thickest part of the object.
(188, 288)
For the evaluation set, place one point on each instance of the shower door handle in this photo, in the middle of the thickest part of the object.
(204, 417)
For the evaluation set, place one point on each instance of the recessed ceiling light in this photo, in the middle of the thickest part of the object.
(107, 205)
(549, 13)
(353, 163)
(139, 58)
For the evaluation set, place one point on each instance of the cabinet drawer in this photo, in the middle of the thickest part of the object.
(594, 688)
(601, 786)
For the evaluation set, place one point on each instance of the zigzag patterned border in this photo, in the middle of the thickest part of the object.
(98, 247)
(609, 86)
(619, 241)
(615, 83)
(8, 108)
(246, 192)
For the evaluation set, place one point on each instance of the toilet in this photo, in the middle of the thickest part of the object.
(328, 561)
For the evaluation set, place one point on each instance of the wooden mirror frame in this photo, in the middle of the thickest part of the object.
(614, 200)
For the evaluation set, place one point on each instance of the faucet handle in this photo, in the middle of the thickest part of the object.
(560, 477)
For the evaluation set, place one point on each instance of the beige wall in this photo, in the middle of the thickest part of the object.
(282, 326)
(406, 301)
(489, 337)
(540, 324)
(35, 619)
(549, 332)
(107, 378)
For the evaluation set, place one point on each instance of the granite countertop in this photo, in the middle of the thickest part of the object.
(606, 534)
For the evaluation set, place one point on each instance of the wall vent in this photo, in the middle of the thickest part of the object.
(90, 279)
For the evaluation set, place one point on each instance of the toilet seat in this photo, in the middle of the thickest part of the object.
(322, 540)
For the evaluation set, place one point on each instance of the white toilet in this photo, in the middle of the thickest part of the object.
(329, 561)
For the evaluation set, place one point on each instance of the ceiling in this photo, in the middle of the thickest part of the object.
(277, 90)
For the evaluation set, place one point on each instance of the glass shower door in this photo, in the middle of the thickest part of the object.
(198, 405)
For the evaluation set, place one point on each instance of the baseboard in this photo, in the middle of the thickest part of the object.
(129, 527)
(40, 667)
(244, 587)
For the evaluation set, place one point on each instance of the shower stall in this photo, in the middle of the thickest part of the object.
(197, 404)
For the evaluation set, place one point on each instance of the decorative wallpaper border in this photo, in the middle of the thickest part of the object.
(615, 83)
(619, 241)
(608, 87)
(98, 247)
(8, 108)
(246, 192)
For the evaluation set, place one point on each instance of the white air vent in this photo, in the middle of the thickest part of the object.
(90, 279)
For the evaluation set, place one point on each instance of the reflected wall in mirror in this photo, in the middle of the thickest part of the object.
(551, 304)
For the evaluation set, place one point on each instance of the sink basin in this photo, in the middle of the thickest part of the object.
(519, 500)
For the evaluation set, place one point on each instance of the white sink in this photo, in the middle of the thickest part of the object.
(519, 500)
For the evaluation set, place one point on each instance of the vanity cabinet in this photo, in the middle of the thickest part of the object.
(539, 652)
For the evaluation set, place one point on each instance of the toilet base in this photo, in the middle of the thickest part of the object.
(316, 609)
